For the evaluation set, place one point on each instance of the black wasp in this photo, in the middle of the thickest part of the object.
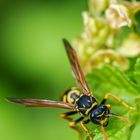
(79, 100)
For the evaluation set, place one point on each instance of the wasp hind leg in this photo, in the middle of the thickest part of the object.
(72, 123)
(117, 99)
(83, 124)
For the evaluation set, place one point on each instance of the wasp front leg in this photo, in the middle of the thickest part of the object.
(72, 123)
(117, 99)
(83, 124)
(103, 131)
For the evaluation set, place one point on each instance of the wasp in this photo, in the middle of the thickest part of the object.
(79, 100)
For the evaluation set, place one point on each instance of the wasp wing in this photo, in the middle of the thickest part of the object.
(41, 103)
(77, 71)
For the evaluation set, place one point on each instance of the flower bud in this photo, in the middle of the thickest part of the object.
(130, 47)
(118, 15)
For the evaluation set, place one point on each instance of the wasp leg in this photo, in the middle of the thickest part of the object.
(67, 114)
(104, 133)
(117, 99)
(83, 124)
(73, 125)
(72, 122)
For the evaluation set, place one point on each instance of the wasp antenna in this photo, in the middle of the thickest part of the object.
(119, 117)
(20, 101)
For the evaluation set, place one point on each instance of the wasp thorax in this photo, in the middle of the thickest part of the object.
(100, 115)
(85, 104)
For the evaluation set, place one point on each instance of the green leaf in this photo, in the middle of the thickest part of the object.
(124, 32)
(136, 73)
(109, 79)
(137, 18)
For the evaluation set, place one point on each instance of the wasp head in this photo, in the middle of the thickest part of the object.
(100, 115)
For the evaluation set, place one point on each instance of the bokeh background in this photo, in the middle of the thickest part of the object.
(33, 64)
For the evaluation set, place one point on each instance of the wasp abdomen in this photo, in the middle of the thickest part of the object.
(71, 95)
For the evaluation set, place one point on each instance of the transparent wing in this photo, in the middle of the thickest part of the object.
(41, 103)
(77, 71)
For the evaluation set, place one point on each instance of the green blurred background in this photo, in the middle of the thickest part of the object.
(33, 64)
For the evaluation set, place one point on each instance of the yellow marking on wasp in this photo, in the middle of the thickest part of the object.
(93, 105)
(70, 100)
(104, 121)
(108, 106)
(101, 114)
(77, 99)
(65, 98)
